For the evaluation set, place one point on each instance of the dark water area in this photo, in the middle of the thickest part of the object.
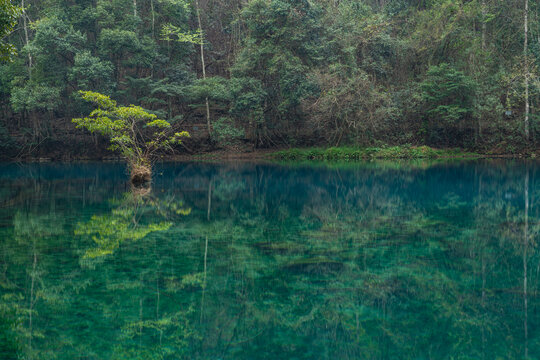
(380, 260)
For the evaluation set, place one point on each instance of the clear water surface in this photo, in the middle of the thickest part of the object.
(265, 261)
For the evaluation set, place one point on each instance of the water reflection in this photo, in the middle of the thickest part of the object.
(251, 261)
(134, 216)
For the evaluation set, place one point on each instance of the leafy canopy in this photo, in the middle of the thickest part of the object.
(137, 133)
(448, 93)
(8, 19)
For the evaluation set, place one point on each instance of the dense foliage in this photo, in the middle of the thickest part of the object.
(9, 14)
(137, 134)
(444, 73)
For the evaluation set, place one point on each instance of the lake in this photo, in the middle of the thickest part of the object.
(375, 260)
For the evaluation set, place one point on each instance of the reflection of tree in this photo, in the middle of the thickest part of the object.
(45, 300)
(26, 249)
(363, 262)
(123, 223)
(368, 271)
(10, 347)
(136, 223)
(525, 275)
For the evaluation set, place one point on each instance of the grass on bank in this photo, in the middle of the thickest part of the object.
(354, 153)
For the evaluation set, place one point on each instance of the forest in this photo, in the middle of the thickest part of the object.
(242, 75)
(308, 179)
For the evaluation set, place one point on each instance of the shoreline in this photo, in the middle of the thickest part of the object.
(314, 154)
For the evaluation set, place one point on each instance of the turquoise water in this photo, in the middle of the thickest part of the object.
(261, 261)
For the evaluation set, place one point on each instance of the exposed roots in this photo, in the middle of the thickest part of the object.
(141, 176)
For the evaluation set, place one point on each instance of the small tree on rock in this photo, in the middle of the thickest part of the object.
(136, 133)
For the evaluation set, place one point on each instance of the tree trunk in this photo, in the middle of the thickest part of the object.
(27, 40)
(134, 7)
(484, 26)
(153, 17)
(208, 124)
(525, 46)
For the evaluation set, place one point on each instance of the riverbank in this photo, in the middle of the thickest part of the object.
(357, 153)
(344, 153)
(348, 153)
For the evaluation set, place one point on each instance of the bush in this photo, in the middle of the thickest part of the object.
(226, 133)
(354, 153)
(448, 98)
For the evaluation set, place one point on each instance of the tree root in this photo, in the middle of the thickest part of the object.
(140, 175)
